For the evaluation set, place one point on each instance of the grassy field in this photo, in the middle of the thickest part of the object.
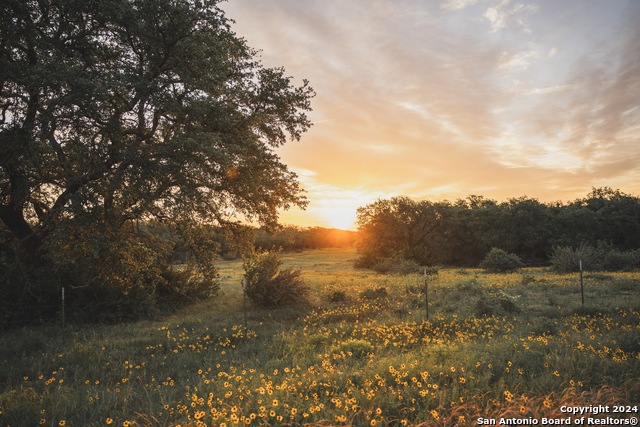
(516, 345)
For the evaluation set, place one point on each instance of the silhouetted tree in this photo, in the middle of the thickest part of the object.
(463, 232)
(118, 112)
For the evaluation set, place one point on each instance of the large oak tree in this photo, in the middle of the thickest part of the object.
(124, 111)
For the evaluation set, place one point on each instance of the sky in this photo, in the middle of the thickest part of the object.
(440, 100)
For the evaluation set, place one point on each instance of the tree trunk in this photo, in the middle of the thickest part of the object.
(29, 243)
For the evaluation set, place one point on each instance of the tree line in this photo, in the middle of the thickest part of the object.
(238, 241)
(462, 232)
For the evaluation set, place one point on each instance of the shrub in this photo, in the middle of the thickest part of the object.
(602, 258)
(508, 304)
(499, 261)
(621, 261)
(268, 286)
(338, 296)
(185, 286)
(374, 293)
(396, 265)
(483, 307)
(365, 261)
(567, 260)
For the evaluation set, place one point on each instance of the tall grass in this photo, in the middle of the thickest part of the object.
(497, 345)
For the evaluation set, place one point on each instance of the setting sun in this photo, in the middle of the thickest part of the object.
(329, 208)
(452, 98)
(341, 217)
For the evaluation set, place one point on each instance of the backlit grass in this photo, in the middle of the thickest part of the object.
(514, 345)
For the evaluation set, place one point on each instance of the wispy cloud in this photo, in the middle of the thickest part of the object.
(451, 5)
(501, 98)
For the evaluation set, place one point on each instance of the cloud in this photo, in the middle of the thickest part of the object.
(452, 5)
(465, 96)
(518, 60)
(550, 89)
(502, 15)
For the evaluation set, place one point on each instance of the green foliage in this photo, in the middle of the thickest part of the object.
(355, 348)
(129, 112)
(621, 261)
(600, 258)
(396, 266)
(338, 296)
(499, 261)
(374, 293)
(462, 232)
(124, 273)
(566, 260)
(398, 228)
(269, 286)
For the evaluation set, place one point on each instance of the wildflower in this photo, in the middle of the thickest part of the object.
(109, 421)
(62, 423)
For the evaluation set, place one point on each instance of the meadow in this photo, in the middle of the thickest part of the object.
(517, 346)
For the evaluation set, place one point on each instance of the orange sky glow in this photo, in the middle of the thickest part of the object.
(443, 99)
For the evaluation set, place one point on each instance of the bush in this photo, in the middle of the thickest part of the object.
(372, 294)
(567, 260)
(338, 296)
(268, 286)
(499, 261)
(621, 261)
(483, 307)
(396, 265)
(602, 258)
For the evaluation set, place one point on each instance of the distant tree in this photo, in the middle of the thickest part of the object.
(617, 215)
(463, 232)
(398, 228)
(114, 113)
(527, 228)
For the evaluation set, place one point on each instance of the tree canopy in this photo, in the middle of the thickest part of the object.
(133, 110)
(462, 232)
